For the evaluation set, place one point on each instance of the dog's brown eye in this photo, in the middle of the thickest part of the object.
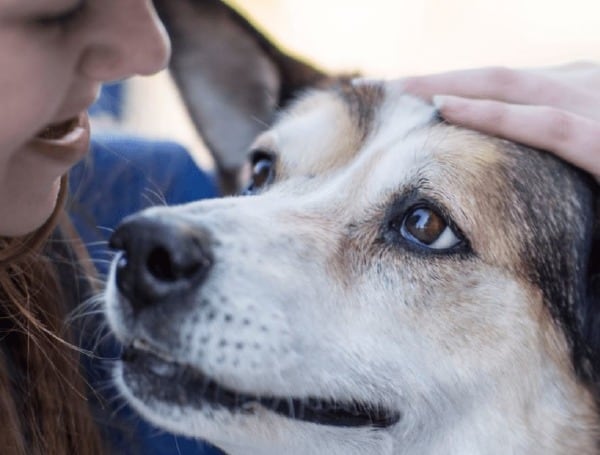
(262, 172)
(427, 227)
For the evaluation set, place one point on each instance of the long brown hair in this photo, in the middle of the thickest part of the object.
(43, 396)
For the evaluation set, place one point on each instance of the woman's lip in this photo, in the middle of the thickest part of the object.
(72, 146)
(77, 126)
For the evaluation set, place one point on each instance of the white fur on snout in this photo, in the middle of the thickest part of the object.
(114, 310)
(247, 332)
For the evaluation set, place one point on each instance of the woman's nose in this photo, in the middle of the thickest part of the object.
(125, 37)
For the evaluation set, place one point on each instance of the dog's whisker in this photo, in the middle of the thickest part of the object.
(106, 229)
(154, 197)
(97, 243)
(259, 121)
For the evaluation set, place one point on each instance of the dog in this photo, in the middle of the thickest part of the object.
(386, 284)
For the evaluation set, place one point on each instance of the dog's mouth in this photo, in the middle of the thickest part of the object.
(170, 381)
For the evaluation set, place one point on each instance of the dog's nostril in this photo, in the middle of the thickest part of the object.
(160, 265)
(164, 267)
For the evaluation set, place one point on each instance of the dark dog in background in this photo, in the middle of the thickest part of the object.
(389, 284)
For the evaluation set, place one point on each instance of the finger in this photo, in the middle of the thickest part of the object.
(499, 83)
(502, 84)
(567, 69)
(583, 75)
(574, 138)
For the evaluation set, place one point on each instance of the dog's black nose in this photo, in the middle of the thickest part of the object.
(160, 259)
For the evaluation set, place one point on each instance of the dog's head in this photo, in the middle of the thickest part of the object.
(388, 283)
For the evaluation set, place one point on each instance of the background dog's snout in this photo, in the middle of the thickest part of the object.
(160, 258)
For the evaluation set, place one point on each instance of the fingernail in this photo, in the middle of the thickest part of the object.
(439, 101)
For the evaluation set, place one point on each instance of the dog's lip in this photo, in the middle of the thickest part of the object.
(184, 384)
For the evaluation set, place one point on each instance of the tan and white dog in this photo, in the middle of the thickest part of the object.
(389, 284)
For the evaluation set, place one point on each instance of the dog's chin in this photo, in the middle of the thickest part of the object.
(157, 383)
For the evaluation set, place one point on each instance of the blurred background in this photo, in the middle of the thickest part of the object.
(384, 38)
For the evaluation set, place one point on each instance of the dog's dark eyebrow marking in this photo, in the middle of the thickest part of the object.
(362, 101)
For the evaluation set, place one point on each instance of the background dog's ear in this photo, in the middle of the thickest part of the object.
(231, 77)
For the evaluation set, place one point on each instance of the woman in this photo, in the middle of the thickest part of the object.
(53, 57)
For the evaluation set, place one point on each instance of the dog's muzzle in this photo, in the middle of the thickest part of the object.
(159, 259)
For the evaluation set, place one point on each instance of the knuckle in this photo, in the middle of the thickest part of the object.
(502, 77)
(559, 124)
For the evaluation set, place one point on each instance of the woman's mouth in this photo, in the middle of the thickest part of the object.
(65, 140)
(58, 130)
(66, 131)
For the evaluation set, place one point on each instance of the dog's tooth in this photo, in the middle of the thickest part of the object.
(140, 344)
(162, 369)
(301, 409)
(291, 409)
(249, 405)
(273, 404)
(245, 406)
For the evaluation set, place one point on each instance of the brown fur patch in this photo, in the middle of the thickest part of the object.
(305, 147)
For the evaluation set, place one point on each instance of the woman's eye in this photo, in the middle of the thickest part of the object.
(262, 174)
(62, 17)
(426, 227)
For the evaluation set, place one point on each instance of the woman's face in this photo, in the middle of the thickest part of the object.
(54, 54)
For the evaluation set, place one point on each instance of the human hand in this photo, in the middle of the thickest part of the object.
(554, 109)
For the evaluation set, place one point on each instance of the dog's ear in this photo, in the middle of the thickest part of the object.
(231, 77)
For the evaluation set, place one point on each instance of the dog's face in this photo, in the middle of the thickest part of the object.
(390, 284)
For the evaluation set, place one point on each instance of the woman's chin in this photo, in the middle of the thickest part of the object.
(26, 217)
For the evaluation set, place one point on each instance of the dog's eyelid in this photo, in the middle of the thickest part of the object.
(260, 157)
(261, 153)
(436, 202)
